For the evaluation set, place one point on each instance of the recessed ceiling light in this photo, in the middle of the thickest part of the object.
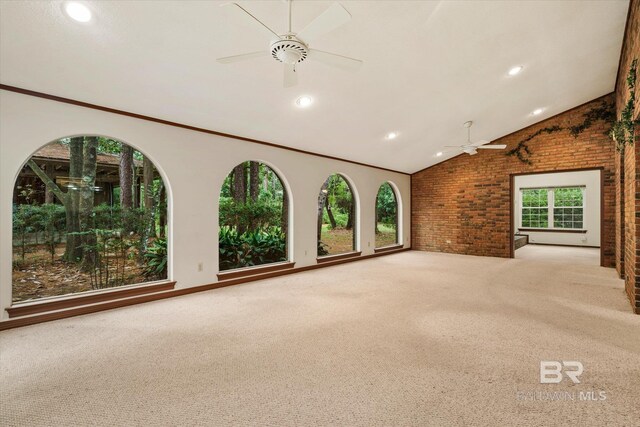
(537, 111)
(304, 101)
(392, 135)
(77, 11)
(515, 70)
(439, 153)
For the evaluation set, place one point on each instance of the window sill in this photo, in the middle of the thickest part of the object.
(553, 230)
(329, 258)
(62, 302)
(387, 248)
(252, 271)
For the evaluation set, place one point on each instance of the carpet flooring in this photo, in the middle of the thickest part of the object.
(407, 339)
(559, 254)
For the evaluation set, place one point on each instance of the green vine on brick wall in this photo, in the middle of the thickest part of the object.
(605, 111)
(522, 152)
(623, 130)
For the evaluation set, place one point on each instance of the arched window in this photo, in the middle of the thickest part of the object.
(88, 213)
(386, 216)
(254, 217)
(336, 217)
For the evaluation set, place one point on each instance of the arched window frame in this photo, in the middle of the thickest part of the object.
(47, 303)
(356, 225)
(272, 266)
(398, 202)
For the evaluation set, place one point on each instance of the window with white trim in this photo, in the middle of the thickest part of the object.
(552, 208)
(535, 208)
(568, 207)
(89, 213)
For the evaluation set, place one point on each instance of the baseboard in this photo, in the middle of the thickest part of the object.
(570, 246)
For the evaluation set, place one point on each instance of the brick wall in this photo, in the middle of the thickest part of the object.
(630, 190)
(463, 205)
(620, 213)
(627, 191)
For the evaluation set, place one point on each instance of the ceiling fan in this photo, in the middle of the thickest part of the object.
(293, 48)
(471, 148)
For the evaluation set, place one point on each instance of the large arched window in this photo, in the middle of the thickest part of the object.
(254, 217)
(336, 217)
(88, 213)
(386, 216)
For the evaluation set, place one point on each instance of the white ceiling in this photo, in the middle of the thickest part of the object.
(428, 67)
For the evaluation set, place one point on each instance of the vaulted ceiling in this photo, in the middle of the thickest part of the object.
(428, 67)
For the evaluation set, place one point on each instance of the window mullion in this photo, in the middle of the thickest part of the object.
(584, 210)
(550, 208)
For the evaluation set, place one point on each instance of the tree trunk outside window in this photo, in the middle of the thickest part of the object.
(254, 181)
(321, 202)
(73, 250)
(126, 177)
(87, 189)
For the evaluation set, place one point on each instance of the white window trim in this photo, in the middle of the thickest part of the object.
(551, 207)
(522, 208)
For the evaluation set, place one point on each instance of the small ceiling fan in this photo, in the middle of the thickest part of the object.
(471, 148)
(293, 48)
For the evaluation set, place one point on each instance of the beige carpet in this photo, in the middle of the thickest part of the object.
(561, 254)
(408, 339)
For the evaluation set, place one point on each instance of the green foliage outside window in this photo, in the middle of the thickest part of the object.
(386, 216)
(568, 208)
(386, 205)
(258, 215)
(77, 227)
(535, 208)
(253, 216)
(253, 247)
(336, 217)
(34, 225)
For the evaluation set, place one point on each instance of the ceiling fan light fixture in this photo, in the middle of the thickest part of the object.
(289, 51)
(289, 57)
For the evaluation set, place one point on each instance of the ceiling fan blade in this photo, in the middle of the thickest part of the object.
(243, 57)
(493, 147)
(332, 18)
(240, 9)
(479, 143)
(335, 60)
(290, 76)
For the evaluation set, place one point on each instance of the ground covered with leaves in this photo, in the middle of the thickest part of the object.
(38, 277)
(340, 240)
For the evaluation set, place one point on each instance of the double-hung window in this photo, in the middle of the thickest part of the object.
(535, 208)
(568, 207)
(553, 208)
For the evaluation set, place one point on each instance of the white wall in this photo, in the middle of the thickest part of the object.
(193, 165)
(589, 179)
